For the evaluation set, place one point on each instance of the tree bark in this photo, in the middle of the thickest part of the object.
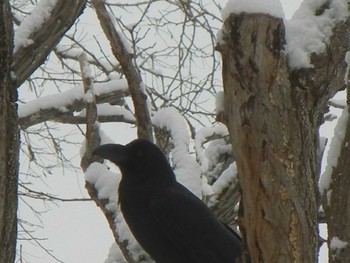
(9, 140)
(336, 202)
(273, 115)
(136, 86)
(28, 58)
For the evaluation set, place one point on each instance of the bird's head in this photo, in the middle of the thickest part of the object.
(139, 158)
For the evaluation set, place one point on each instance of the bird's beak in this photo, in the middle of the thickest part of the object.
(116, 153)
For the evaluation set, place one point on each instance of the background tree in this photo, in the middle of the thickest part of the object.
(152, 68)
(8, 140)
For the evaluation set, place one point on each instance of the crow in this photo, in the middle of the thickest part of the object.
(167, 219)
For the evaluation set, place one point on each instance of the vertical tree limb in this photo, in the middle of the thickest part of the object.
(92, 140)
(336, 200)
(9, 140)
(139, 97)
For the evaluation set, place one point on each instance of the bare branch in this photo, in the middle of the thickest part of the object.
(136, 86)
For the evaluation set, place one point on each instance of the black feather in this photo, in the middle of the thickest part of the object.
(169, 221)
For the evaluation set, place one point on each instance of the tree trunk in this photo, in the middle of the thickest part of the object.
(273, 115)
(9, 141)
(336, 202)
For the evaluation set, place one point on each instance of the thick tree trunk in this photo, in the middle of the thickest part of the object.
(273, 115)
(9, 141)
(273, 142)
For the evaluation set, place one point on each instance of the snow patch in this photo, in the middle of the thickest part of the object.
(308, 33)
(187, 170)
(61, 100)
(40, 14)
(271, 7)
(202, 137)
(229, 176)
(126, 43)
(105, 182)
(106, 109)
(336, 245)
(334, 152)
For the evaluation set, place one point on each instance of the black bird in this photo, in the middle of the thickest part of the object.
(169, 221)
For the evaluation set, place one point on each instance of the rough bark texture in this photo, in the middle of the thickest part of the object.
(338, 208)
(273, 115)
(27, 59)
(337, 202)
(9, 141)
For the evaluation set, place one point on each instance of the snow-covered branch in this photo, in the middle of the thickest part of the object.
(121, 51)
(40, 32)
(60, 107)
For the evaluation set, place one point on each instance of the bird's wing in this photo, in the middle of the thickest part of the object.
(192, 227)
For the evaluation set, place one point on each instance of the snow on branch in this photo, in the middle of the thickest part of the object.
(105, 183)
(186, 169)
(333, 153)
(337, 245)
(60, 107)
(310, 29)
(271, 7)
(40, 14)
(307, 33)
(204, 135)
(40, 32)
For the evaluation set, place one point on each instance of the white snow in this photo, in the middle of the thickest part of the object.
(201, 137)
(338, 103)
(307, 33)
(106, 109)
(125, 235)
(337, 244)
(334, 152)
(186, 168)
(271, 7)
(63, 99)
(89, 96)
(126, 43)
(40, 14)
(105, 183)
(229, 176)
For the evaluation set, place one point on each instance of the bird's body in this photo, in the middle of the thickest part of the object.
(168, 221)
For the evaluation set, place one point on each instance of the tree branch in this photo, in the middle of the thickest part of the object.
(29, 57)
(136, 86)
(53, 113)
